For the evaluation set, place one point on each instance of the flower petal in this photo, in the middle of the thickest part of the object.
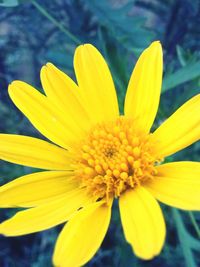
(36, 188)
(82, 236)
(44, 115)
(180, 130)
(143, 93)
(33, 152)
(96, 84)
(45, 216)
(143, 222)
(177, 184)
(65, 94)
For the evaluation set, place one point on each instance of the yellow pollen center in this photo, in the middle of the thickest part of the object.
(114, 158)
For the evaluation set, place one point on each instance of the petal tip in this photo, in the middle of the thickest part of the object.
(2, 230)
(14, 85)
(156, 47)
(43, 70)
(156, 43)
(49, 65)
(84, 47)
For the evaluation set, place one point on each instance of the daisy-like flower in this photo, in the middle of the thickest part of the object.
(99, 155)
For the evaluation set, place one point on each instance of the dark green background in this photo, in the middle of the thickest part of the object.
(35, 32)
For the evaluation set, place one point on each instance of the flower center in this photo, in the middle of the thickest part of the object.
(115, 157)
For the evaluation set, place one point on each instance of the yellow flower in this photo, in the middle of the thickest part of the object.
(99, 155)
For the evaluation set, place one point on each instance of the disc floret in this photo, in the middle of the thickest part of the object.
(115, 157)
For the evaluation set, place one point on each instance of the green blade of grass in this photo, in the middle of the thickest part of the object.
(185, 74)
(184, 240)
(55, 22)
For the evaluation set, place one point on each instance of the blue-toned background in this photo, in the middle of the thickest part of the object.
(35, 32)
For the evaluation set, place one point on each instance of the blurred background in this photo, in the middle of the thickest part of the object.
(35, 32)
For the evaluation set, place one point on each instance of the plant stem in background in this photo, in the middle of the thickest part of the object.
(55, 22)
(183, 239)
(194, 223)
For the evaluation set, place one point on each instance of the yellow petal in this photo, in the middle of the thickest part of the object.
(143, 93)
(33, 152)
(44, 115)
(45, 216)
(143, 222)
(82, 236)
(65, 94)
(180, 130)
(177, 184)
(36, 188)
(96, 84)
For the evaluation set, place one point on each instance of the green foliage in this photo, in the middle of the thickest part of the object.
(186, 240)
(125, 28)
(39, 31)
(11, 3)
(182, 75)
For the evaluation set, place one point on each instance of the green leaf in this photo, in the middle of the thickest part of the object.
(185, 74)
(11, 3)
(194, 223)
(186, 240)
(127, 29)
(46, 14)
(181, 55)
